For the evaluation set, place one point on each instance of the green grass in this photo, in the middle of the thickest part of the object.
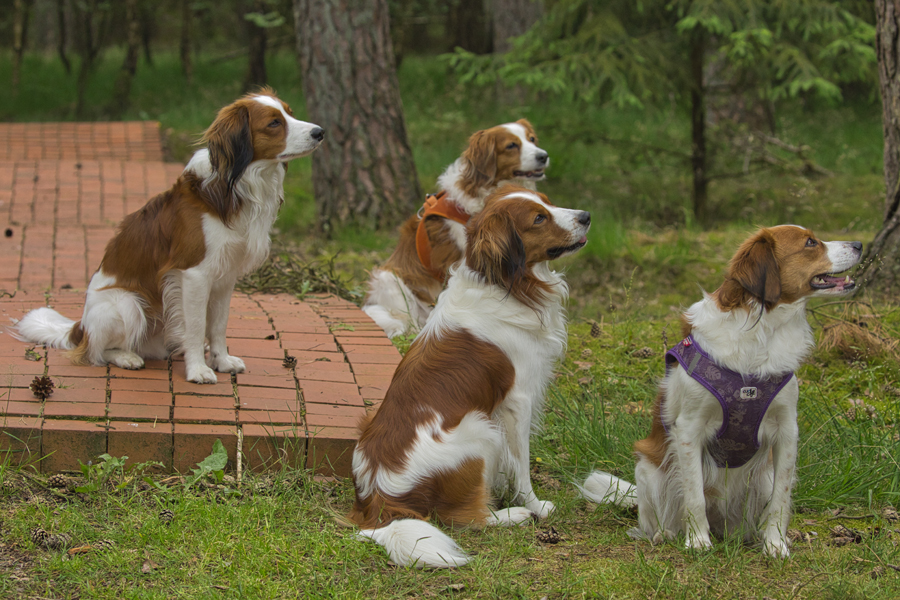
(644, 262)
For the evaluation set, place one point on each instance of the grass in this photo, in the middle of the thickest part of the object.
(645, 261)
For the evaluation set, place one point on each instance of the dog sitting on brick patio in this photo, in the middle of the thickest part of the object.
(166, 278)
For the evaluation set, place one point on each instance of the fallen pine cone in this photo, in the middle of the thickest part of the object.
(643, 353)
(166, 516)
(595, 329)
(98, 546)
(41, 387)
(550, 536)
(889, 513)
(58, 481)
(49, 540)
(289, 362)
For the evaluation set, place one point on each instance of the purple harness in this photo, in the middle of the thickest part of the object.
(744, 400)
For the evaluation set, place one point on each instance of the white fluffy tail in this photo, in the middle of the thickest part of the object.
(45, 326)
(604, 488)
(415, 543)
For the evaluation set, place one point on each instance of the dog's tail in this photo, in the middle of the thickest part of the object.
(46, 326)
(604, 488)
(417, 543)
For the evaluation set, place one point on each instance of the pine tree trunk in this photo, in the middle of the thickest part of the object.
(698, 129)
(148, 30)
(881, 270)
(364, 172)
(256, 69)
(512, 18)
(122, 89)
(21, 10)
(61, 38)
(187, 66)
(470, 26)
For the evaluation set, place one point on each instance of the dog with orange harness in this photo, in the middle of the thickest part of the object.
(404, 289)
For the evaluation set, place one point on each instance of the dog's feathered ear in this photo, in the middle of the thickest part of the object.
(479, 163)
(529, 128)
(495, 250)
(230, 148)
(755, 269)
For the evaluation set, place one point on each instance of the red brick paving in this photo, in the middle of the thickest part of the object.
(63, 189)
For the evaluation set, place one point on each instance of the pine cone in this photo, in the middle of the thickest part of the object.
(289, 362)
(58, 481)
(39, 536)
(595, 329)
(58, 541)
(889, 513)
(166, 516)
(41, 387)
(550, 536)
(103, 545)
(643, 353)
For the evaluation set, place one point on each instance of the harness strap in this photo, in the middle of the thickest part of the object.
(438, 205)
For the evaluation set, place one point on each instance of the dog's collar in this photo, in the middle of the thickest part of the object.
(744, 400)
(438, 205)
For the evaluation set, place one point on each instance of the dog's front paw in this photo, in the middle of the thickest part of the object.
(200, 374)
(127, 360)
(697, 541)
(543, 509)
(226, 364)
(516, 515)
(776, 548)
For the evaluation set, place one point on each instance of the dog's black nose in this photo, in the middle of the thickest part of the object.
(584, 218)
(317, 134)
(856, 246)
(542, 157)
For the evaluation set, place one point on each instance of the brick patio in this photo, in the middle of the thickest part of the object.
(57, 211)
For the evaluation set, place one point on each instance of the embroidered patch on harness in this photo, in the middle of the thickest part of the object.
(749, 393)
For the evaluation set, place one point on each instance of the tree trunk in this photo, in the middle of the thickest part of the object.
(470, 26)
(698, 129)
(61, 38)
(122, 89)
(256, 71)
(512, 18)
(21, 10)
(881, 264)
(148, 30)
(91, 22)
(364, 172)
(187, 66)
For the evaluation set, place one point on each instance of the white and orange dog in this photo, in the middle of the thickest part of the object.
(166, 278)
(403, 290)
(456, 421)
(722, 449)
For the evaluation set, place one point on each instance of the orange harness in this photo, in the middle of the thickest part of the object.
(436, 204)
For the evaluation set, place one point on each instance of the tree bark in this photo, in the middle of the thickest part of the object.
(881, 264)
(61, 38)
(122, 89)
(470, 26)
(148, 30)
(187, 65)
(364, 172)
(698, 129)
(21, 11)
(256, 69)
(91, 22)
(512, 18)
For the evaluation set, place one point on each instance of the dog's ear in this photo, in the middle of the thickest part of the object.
(479, 163)
(230, 146)
(495, 250)
(529, 128)
(755, 269)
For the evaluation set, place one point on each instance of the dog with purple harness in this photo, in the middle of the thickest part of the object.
(721, 454)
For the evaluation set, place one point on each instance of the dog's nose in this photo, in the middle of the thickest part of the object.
(542, 157)
(856, 246)
(317, 134)
(584, 218)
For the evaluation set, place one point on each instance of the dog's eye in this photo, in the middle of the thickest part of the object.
(533, 140)
(275, 123)
(811, 243)
(538, 219)
(512, 145)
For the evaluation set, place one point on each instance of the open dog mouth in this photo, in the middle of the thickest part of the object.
(561, 250)
(536, 174)
(827, 282)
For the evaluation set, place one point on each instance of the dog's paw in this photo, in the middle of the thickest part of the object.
(697, 541)
(776, 548)
(226, 364)
(124, 359)
(506, 517)
(543, 509)
(200, 374)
